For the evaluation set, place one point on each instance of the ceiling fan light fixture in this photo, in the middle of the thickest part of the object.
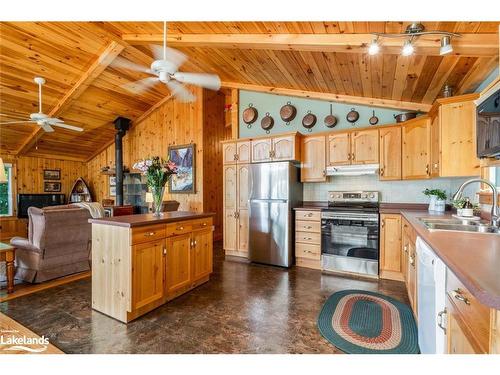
(408, 48)
(374, 47)
(446, 46)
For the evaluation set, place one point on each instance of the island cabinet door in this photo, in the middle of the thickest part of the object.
(178, 263)
(201, 254)
(147, 273)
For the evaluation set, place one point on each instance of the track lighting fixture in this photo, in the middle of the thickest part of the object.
(374, 47)
(408, 48)
(445, 45)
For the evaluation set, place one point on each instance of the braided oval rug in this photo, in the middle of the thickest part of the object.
(362, 322)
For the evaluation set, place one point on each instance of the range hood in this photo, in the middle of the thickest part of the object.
(352, 170)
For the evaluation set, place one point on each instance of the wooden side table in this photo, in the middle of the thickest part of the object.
(7, 255)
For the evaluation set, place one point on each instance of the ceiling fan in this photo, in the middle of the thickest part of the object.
(165, 70)
(40, 118)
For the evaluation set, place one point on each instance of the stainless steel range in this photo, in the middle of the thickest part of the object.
(350, 233)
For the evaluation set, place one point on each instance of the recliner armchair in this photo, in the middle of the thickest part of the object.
(58, 244)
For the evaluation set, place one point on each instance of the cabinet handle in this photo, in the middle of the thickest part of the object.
(307, 238)
(458, 295)
(427, 169)
(164, 251)
(382, 223)
(236, 157)
(381, 171)
(440, 320)
(349, 156)
(195, 243)
(180, 228)
(353, 156)
(204, 224)
(406, 249)
(411, 259)
(307, 227)
(149, 234)
(324, 173)
(308, 215)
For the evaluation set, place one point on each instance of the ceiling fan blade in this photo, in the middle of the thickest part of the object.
(70, 127)
(47, 128)
(122, 63)
(209, 81)
(180, 92)
(176, 57)
(16, 122)
(53, 120)
(15, 116)
(140, 86)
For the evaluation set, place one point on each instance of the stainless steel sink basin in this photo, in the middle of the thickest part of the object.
(458, 225)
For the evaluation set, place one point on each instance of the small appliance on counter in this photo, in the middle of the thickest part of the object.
(350, 233)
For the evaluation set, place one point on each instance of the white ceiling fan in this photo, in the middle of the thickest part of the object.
(40, 118)
(165, 69)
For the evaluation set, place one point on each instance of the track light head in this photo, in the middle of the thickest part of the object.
(408, 48)
(446, 46)
(374, 47)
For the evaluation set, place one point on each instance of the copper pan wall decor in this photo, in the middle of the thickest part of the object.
(288, 113)
(352, 116)
(267, 123)
(373, 120)
(309, 121)
(250, 115)
(330, 120)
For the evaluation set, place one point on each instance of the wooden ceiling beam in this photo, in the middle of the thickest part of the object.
(109, 53)
(374, 102)
(466, 45)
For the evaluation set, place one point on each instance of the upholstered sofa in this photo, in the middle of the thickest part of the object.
(58, 244)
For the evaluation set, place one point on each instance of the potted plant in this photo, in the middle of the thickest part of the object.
(157, 171)
(437, 199)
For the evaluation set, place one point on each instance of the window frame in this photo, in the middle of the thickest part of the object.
(10, 191)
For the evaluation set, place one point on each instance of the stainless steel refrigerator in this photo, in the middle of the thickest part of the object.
(275, 189)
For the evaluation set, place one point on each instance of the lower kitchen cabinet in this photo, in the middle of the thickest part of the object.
(178, 263)
(308, 239)
(148, 272)
(390, 247)
(202, 259)
(457, 341)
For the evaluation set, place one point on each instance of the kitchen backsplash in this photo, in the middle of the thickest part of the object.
(408, 191)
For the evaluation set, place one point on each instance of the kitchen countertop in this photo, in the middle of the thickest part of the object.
(473, 257)
(148, 219)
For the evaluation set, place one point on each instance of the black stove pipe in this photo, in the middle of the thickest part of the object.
(122, 124)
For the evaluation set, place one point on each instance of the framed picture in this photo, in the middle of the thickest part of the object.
(51, 174)
(51, 187)
(112, 191)
(112, 180)
(184, 157)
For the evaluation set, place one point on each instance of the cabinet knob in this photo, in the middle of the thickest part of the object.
(164, 251)
(180, 228)
(149, 234)
(204, 224)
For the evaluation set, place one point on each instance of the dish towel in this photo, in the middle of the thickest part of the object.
(95, 208)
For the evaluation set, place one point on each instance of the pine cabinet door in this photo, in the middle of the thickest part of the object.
(339, 149)
(458, 343)
(229, 153)
(243, 152)
(412, 276)
(283, 148)
(202, 257)
(230, 187)
(390, 247)
(364, 147)
(261, 150)
(416, 149)
(313, 159)
(243, 230)
(243, 193)
(147, 273)
(435, 147)
(178, 263)
(230, 230)
(390, 153)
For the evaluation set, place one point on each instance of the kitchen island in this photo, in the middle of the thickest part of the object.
(140, 262)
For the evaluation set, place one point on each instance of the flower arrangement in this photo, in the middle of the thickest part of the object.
(157, 171)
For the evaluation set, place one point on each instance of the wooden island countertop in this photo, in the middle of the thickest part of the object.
(130, 221)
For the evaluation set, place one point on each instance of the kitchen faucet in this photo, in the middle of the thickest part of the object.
(494, 209)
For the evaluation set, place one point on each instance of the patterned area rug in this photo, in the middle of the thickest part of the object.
(362, 322)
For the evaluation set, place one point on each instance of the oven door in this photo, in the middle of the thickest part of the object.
(350, 242)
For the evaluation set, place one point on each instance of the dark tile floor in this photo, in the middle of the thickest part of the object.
(244, 308)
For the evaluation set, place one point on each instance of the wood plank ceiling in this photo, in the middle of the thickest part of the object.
(64, 52)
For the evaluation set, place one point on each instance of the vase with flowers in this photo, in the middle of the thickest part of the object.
(157, 171)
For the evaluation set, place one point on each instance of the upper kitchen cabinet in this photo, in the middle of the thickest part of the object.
(236, 152)
(339, 149)
(453, 137)
(364, 147)
(279, 148)
(313, 168)
(416, 155)
(390, 153)
(357, 147)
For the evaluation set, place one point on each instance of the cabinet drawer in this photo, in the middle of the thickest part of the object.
(182, 227)
(303, 250)
(305, 237)
(148, 233)
(308, 215)
(308, 226)
(201, 223)
(473, 314)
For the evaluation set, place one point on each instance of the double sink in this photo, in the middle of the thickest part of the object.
(458, 225)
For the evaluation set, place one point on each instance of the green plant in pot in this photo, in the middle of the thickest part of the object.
(157, 171)
(437, 201)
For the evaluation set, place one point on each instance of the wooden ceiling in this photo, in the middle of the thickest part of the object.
(79, 62)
